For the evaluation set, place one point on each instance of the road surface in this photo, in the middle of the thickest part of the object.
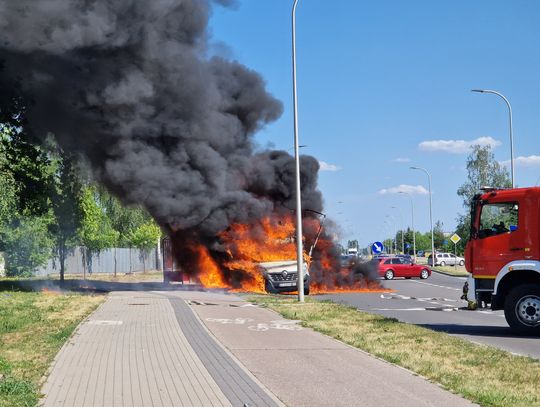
(435, 304)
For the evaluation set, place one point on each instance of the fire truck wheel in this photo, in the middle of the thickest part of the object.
(389, 275)
(424, 274)
(522, 309)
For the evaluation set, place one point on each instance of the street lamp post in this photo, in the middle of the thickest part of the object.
(402, 226)
(412, 223)
(430, 209)
(511, 135)
(299, 248)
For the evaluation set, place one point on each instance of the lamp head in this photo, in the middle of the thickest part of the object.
(478, 90)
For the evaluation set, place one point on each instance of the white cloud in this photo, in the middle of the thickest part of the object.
(324, 166)
(521, 161)
(402, 160)
(457, 146)
(410, 189)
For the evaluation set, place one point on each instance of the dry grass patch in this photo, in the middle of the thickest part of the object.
(485, 375)
(33, 327)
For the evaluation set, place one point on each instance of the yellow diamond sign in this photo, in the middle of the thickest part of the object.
(455, 238)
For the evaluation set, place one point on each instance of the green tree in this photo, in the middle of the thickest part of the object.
(438, 236)
(65, 200)
(145, 238)
(28, 245)
(95, 230)
(482, 170)
(124, 219)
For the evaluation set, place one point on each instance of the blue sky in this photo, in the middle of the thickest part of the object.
(384, 85)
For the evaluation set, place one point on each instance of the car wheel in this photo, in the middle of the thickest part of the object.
(522, 309)
(389, 275)
(461, 263)
(424, 274)
(442, 264)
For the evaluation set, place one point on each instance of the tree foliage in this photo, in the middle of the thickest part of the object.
(95, 231)
(482, 170)
(144, 236)
(28, 245)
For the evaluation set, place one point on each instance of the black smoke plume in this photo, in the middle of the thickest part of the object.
(129, 87)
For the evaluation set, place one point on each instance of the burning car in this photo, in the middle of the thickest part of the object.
(282, 276)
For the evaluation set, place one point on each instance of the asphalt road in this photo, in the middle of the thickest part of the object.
(435, 304)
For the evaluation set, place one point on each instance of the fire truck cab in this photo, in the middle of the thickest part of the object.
(503, 255)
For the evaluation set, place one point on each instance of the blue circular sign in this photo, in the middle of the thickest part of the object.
(377, 247)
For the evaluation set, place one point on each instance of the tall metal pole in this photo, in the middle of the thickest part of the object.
(511, 132)
(412, 223)
(430, 210)
(299, 248)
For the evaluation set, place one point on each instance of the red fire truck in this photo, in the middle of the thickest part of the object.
(503, 255)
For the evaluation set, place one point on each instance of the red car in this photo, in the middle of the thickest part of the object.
(391, 267)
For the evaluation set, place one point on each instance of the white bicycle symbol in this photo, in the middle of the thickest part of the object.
(281, 324)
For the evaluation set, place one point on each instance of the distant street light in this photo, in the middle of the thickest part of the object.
(511, 135)
(299, 248)
(412, 223)
(430, 209)
(402, 227)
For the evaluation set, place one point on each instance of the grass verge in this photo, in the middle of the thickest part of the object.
(33, 327)
(454, 271)
(482, 374)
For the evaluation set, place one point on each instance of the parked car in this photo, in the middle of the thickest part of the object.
(397, 267)
(446, 259)
(405, 257)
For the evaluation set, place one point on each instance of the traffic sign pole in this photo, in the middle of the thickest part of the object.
(455, 239)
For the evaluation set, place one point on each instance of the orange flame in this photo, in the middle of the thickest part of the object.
(272, 239)
(210, 275)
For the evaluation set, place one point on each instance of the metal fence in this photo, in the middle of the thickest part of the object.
(117, 260)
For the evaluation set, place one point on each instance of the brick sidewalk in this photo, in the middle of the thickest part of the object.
(133, 352)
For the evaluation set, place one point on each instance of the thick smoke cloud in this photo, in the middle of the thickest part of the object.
(128, 86)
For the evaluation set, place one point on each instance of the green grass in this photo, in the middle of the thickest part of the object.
(458, 271)
(33, 327)
(482, 374)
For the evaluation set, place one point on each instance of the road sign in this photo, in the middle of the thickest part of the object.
(455, 238)
(377, 247)
(407, 245)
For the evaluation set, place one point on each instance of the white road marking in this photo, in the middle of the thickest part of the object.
(490, 313)
(437, 285)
